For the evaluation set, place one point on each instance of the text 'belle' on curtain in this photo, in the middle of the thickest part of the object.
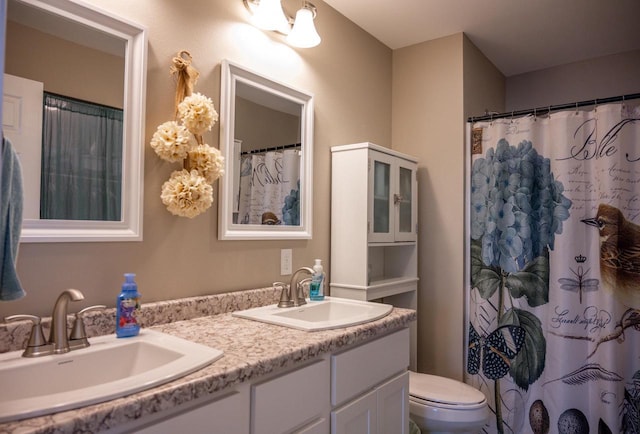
(270, 188)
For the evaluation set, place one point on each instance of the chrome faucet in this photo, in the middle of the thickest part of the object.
(58, 335)
(292, 295)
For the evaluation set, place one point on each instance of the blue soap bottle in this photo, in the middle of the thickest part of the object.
(128, 308)
(316, 290)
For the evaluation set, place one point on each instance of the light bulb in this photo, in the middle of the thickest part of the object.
(304, 34)
(268, 15)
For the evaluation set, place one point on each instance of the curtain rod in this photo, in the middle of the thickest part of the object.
(549, 109)
(274, 148)
(83, 101)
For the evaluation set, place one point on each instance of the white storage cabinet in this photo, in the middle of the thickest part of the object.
(374, 214)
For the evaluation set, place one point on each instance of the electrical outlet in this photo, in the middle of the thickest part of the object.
(286, 262)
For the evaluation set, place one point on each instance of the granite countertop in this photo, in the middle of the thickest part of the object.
(251, 350)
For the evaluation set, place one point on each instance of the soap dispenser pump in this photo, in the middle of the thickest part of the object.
(128, 308)
(316, 290)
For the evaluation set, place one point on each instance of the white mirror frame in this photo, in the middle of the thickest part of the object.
(129, 228)
(227, 230)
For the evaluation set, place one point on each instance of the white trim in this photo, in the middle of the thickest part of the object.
(130, 227)
(227, 230)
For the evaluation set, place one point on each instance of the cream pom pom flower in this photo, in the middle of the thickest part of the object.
(197, 113)
(187, 194)
(171, 141)
(208, 161)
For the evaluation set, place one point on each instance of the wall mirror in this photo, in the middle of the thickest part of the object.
(266, 136)
(74, 107)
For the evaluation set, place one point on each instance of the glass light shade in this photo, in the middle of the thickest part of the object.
(268, 15)
(304, 34)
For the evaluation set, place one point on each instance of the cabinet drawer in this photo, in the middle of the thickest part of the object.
(225, 415)
(363, 367)
(283, 403)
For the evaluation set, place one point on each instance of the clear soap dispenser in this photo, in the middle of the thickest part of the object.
(316, 290)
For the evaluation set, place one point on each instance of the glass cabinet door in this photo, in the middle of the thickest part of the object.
(392, 206)
(405, 206)
(381, 190)
(381, 196)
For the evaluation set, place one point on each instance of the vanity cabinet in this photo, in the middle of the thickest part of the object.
(375, 399)
(363, 389)
(374, 249)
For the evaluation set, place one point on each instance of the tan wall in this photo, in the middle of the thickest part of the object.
(350, 76)
(261, 127)
(435, 84)
(601, 77)
(427, 115)
(65, 68)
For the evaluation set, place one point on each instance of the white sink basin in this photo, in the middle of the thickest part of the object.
(108, 369)
(319, 315)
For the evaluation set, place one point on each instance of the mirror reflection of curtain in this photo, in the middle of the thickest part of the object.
(269, 188)
(81, 160)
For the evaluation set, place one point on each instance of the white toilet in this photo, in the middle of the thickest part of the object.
(442, 405)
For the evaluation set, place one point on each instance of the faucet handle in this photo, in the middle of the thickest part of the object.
(77, 331)
(37, 344)
(285, 295)
(301, 292)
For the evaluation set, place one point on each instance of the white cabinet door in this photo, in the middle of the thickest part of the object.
(405, 201)
(393, 405)
(359, 416)
(381, 196)
(393, 196)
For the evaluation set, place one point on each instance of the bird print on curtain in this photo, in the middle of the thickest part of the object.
(619, 254)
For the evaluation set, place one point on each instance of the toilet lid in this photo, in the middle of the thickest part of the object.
(443, 390)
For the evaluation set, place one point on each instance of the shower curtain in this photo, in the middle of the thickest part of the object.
(81, 160)
(553, 302)
(269, 188)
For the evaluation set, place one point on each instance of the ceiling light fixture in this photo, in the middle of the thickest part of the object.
(269, 15)
(304, 33)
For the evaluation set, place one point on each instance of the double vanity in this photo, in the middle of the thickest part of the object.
(261, 377)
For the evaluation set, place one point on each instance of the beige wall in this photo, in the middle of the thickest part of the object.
(65, 68)
(350, 75)
(261, 127)
(601, 77)
(435, 85)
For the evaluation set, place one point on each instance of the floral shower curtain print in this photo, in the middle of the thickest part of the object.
(554, 295)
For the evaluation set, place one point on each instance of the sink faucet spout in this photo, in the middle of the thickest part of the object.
(58, 336)
(297, 295)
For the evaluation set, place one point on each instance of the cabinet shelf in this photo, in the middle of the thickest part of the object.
(391, 244)
(377, 289)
